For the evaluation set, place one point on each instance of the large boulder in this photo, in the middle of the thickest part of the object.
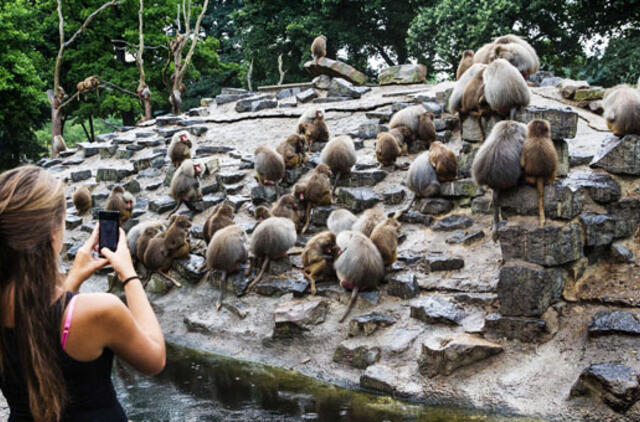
(616, 385)
(619, 155)
(335, 68)
(442, 356)
(403, 74)
(526, 289)
(563, 120)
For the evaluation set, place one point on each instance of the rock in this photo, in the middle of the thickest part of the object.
(261, 194)
(76, 161)
(359, 178)
(414, 217)
(105, 150)
(369, 323)
(563, 120)
(614, 322)
(444, 355)
(369, 129)
(394, 195)
(275, 286)
(256, 103)
(342, 88)
(466, 157)
(230, 178)
(403, 285)
(288, 92)
(168, 120)
(403, 74)
(453, 222)
(526, 289)
(550, 245)
(471, 130)
(124, 153)
(114, 174)
(321, 82)
(356, 353)
(73, 221)
(319, 215)
(51, 163)
(461, 188)
(80, 175)
(237, 201)
(132, 186)
(134, 147)
(207, 102)
(189, 268)
(568, 87)
(598, 229)
(619, 156)
(481, 205)
(551, 81)
(444, 263)
(580, 158)
(207, 202)
(233, 90)
(433, 206)
(616, 384)
(229, 98)
(626, 215)
(562, 149)
(201, 130)
(295, 317)
(436, 310)
(212, 149)
(380, 115)
(528, 330)
(358, 199)
(198, 112)
(379, 377)
(335, 68)
(588, 94)
(162, 204)
(621, 254)
(465, 238)
(601, 187)
(596, 107)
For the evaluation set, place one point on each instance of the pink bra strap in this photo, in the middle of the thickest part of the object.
(67, 322)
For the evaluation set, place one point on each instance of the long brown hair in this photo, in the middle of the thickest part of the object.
(32, 207)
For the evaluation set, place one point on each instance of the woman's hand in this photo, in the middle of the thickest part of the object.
(120, 259)
(84, 264)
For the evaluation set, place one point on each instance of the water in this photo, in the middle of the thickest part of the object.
(199, 387)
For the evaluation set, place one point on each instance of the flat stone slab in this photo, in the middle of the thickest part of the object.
(339, 87)
(437, 310)
(275, 286)
(444, 262)
(358, 199)
(189, 268)
(162, 204)
(598, 229)
(113, 174)
(453, 222)
(335, 68)
(527, 330)
(444, 355)
(614, 383)
(362, 178)
(295, 317)
(465, 238)
(619, 155)
(433, 206)
(563, 120)
(357, 353)
(403, 74)
(369, 323)
(614, 322)
(379, 377)
(403, 285)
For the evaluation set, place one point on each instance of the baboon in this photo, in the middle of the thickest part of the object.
(180, 148)
(465, 63)
(82, 200)
(482, 55)
(226, 253)
(368, 221)
(287, 207)
(143, 240)
(473, 101)
(293, 151)
(518, 56)
(157, 260)
(185, 185)
(177, 236)
(87, 84)
(497, 162)
(514, 39)
(136, 231)
(308, 116)
(121, 200)
(269, 241)
(269, 166)
(57, 146)
(622, 110)
(340, 155)
(455, 99)
(388, 148)
(318, 256)
(443, 161)
(416, 118)
(315, 129)
(404, 135)
(319, 48)
(385, 237)
(314, 191)
(505, 90)
(422, 178)
(261, 213)
(341, 220)
(426, 127)
(220, 217)
(359, 265)
(539, 160)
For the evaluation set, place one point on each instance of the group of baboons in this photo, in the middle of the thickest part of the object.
(357, 249)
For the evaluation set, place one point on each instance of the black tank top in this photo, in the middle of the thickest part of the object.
(89, 388)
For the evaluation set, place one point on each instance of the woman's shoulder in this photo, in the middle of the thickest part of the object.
(102, 306)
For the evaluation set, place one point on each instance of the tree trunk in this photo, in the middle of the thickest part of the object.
(146, 101)
(86, 132)
(176, 100)
(128, 118)
(93, 133)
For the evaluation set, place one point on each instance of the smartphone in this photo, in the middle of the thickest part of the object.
(109, 229)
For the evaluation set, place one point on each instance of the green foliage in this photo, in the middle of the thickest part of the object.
(73, 132)
(620, 62)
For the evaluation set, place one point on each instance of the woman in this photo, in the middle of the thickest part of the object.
(57, 346)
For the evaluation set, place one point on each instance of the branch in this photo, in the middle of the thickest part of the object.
(90, 18)
(194, 41)
(249, 72)
(384, 55)
(108, 84)
(73, 97)
(130, 44)
(282, 73)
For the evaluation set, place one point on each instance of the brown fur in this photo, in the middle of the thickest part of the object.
(318, 256)
(185, 185)
(220, 217)
(120, 200)
(177, 236)
(426, 128)
(180, 148)
(226, 252)
(385, 237)
(341, 220)
(319, 48)
(465, 63)
(444, 162)
(261, 213)
(340, 155)
(57, 146)
(533, 59)
(143, 241)
(369, 220)
(404, 135)
(539, 159)
(388, 148)
(156, 257)
(269, 165)
(314, 191)
(287, 207)
(482, 55)
(622, 110)
(504, 87)
(82, 200)
(293, 151)
(315, 130)
(473, 101)
(518, 56)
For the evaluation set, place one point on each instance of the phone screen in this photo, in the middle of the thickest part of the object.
(109, 233)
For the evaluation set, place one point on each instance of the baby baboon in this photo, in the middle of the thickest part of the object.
(82, 200)
(341, 220)
(176, 239)
(385, 237)
(180, 147)
(269, 166)
(443, 161)
(221, 216)
(368, 221)
(121, 200)
(497, 162)
(293, 151)
(144, 238)
(473, 101)
(136, 231)
(315, 130)
(261, 213)
(340, 155)
(185, 186)
(505, 90)
(318, 256)
(388, 148)
(455, 99)
(622, 110)
(359, 265)
(482, 55)
(319, 48)
(465, 63)
(287, 207)
(422, 178)
(539, 159)
(157, 260)
(404, 135)
(533, 56)
(269, 241)
(518, 56)
(226, 252)
(314, 191)
(57, 146)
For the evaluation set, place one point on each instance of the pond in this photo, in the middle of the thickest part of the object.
(205, 387)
